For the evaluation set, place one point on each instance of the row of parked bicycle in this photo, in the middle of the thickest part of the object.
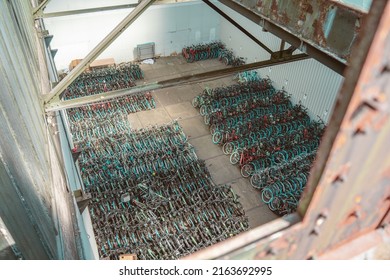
(153, 197)
(211, 50)
(106, 118)
(273, 141)
(107, 79)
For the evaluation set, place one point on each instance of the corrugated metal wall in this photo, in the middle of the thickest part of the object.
(33, 197)
(308, 81)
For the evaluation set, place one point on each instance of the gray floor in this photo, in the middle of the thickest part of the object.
(175, 104)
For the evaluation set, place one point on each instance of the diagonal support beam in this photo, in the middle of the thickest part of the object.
(118, 30)
(243, 30)
(38, 10)
(189, 79)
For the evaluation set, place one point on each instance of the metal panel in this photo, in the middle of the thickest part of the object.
(145, 51)
(301, 41)
(310, 83)
(327, 25)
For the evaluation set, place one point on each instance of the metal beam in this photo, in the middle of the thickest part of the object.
(313, 49)
(38, 10)
(189, 79)
(86, 11)
(118, 30)
(243, 30)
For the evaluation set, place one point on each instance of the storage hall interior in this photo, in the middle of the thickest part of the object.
(140, 140)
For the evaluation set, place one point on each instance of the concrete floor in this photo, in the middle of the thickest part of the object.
(175, 104)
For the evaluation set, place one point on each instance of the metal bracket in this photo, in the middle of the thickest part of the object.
(82, 199)
(76, 152)
(283, 54)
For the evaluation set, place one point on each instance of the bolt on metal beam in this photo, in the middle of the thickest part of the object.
(118, 30)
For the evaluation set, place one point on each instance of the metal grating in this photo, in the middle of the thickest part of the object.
(145, 51)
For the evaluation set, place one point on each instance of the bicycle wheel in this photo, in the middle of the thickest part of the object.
(217, 137)
(235, 157)
(275, 204)
(228, 148)
(247, 170)
(195, 101)
(213, 128)
(205, 109)
(267, 196)
(256, 181)
(206, 119)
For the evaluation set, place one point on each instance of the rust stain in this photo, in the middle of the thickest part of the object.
(318, 33)
(386, 173)
(340, 141)
(284, 18)
(341, 174)
(366, 120)
(306, 8)
(353, 216)
(274, 9)
(358, 199)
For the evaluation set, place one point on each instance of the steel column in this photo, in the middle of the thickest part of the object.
(118, 30)
(77, 102)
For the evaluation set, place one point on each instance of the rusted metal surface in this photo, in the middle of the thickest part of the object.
(352, 197)
(326, 24)
(298, 22)
(373, 245)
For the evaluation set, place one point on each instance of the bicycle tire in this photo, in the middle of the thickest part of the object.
(235, 157)
(256, 181)
(217, 137)
(205, 110)
(247, 170)
(206, 119)
(195, 102)
(228, 148)
(267, 196)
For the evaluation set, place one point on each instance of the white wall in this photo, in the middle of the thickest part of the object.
(170, 26)
(310, 82)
